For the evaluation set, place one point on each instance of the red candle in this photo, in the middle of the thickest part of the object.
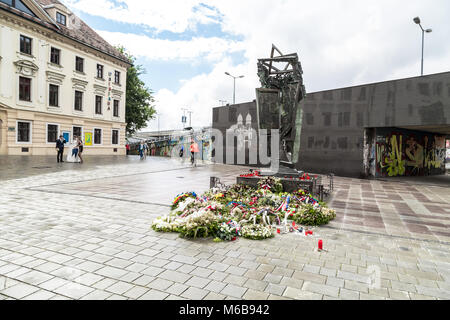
(320, 245)
(278, 231)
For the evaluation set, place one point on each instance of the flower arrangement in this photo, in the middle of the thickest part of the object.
(257, 232)
(229, 231)
(181, 197)
(240, 210)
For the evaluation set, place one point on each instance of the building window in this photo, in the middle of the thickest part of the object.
(310, 142)
(52, 133)
(79, 64)
(55, 56)
(77, 132)
(60, 18)
(117, 77)
(23, 132)
(19, 5)
(97, 136)
(115, 137)
(309, 119)
(347, 119)
(24, 89)
(327, 119)
(99, 71)
(25, 45)
(78, 100)
(98, 104)
(53, 96)
(116, 108)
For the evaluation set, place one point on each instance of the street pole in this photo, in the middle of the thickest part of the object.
(234, 90)
(423, 48)
(417, 21)
(234, 85)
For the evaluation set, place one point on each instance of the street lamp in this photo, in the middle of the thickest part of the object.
(234, 85)
(417, 21)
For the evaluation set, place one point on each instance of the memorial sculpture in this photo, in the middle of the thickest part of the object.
(278, 104)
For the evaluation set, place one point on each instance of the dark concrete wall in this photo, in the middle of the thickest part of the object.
(335, 121)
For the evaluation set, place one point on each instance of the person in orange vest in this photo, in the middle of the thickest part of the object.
(194, 150)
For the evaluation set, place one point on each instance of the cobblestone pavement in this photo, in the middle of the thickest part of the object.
(83, 232)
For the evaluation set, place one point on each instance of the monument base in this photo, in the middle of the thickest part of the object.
(289, 184)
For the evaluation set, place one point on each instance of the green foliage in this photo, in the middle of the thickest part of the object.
(139, 98)
(310, 216)
(201, 231)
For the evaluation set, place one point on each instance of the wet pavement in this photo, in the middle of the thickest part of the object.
(82, 231)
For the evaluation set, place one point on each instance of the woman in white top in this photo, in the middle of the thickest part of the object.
(72, 155)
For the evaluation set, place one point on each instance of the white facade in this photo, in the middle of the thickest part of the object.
(37, 69)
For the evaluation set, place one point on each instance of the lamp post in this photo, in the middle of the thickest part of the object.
(234, 85)
(417, 21)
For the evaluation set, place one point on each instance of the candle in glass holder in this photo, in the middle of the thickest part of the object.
(320, 245)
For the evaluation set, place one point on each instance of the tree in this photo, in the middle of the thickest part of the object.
(139, 108)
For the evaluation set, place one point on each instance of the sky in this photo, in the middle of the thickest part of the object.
(186, 46)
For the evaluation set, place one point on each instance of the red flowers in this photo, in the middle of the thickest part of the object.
(251, 175)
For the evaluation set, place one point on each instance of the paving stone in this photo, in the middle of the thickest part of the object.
(74, 290)
(398, 295)
(174, 276)
(34, 277)
(103, 284)
(275, 289)
(97, 295)
(136, 292)
(321, 289)
(214, 296)
(218, 276)
(255, 295)
(356, 286)
(40, 295)
(177, 289)
(154, 295)
(256, 275)
(19, 291)
(298, 294)
(194, 293)
(307, 276)
(215, 286)
(346, 294)
(119, 287)
(233, 291)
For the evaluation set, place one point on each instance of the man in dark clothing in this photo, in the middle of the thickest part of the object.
(60, 148)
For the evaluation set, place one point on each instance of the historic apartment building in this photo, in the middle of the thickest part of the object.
(58, 77)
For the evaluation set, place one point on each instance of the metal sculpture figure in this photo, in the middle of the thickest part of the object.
(278, 100)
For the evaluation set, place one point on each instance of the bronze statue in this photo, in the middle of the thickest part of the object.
(278, 101)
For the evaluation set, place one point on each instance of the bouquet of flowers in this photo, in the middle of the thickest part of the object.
(229, 231)
(257, 232)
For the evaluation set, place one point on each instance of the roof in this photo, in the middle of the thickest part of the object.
(78, 30)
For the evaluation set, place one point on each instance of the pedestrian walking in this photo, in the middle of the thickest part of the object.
(127, 146)
(141, 150)
(80, 149)
(60, 148)
(194, 150)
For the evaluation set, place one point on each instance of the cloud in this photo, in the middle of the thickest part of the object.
(174, 15)
(212, 49)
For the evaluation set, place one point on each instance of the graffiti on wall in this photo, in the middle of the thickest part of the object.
(402, 153)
